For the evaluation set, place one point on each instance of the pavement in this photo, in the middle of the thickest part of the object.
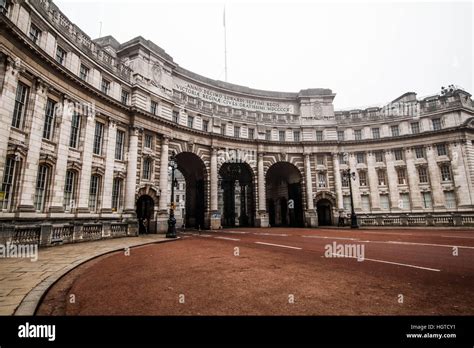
(23, 282)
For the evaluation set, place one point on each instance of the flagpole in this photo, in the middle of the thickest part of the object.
(225, 47)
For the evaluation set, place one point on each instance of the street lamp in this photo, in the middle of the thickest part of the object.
(172, 220)
(348, 175)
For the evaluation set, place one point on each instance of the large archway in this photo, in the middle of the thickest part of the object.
(193, 170)
(284, 195)
(236, 199)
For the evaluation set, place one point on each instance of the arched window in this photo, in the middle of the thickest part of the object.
(42, 184)
(70, 190)
(94, 191)
(117, 194)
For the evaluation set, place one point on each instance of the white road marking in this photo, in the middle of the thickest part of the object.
(204, 235)
(236, 232)
(458, 237)
(271, 234)
(227, 238)
(401, 234)
(279, 245)
(426, 244)
(392, 263)
(324, 237)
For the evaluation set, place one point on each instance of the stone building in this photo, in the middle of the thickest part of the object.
(88, 127)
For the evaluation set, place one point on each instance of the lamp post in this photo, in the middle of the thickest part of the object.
(172, 220)
(348, 175)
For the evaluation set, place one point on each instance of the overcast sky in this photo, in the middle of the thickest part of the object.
(367, 53)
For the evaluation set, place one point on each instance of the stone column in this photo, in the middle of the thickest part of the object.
(310, 214)
(215, 218)
(34, 140)
(413, 182)
(355, 183)
(373, 183)
(109, 167)
(262, 200)
(459, 164)
(64, 121)
(337, 182)
(435, 180)
(131, 181)
(164, 199)
(392, 180)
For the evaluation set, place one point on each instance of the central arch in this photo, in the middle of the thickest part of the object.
(284, 195)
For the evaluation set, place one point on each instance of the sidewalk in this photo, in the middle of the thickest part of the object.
(23, 282)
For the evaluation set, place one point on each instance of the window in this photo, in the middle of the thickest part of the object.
(205, 125)
(69, 186)
(223, 129)
(398, 153)
(420, 152)
(395, 131)
(41, 185)
(442, 149)
(117, 188)
(365, 202)
(360, 157)
(296, 136)
(84, 72)
(404, 202)
(319, 135)
(382, 178)
(175, 116)
(344, 180)
(60, 55)
(415, 128)
(340, 135)
(119, 145)
(358, 134)
(75, 130)
(445, 173)
(20, 105)
(384, 202)
(436, 123)
(154, 108)
(378, 156)
(343, 158)
(450, 199)
(148, 141)
(422, 175)
(321, 179)
(320, 160)
(4, 6)
(375, 133)
(251, 133)
(146, 173)
(268, 135)
(125, 97)
(105, 87)
(426, 199)
(402, 178)
(49, 120)
(7, 183)
(281, 135)
(362, 178)
(236, 132)
(346, 201)
(190, 121)
(98, 135)
(35, 33)
(94, 189)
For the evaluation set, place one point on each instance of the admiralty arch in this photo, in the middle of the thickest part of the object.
(88, 128)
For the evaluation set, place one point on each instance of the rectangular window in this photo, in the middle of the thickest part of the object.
(426, 199)
(358, 134)
(49, 120)
(94, 193)
(320, 160)
(69, 186)
(119, 145)
(175, 116)
(420, 152)
(360, 157)
(148, 141)
(223, 129)
(205, 125)
(251, 133)
(117, 188)
(450, 199)
(236, 132)
(20, 105)
(190, 121)
(375, 133)
(340, 135)
(402, 178)
(60, 55)
(422, 175)
(75, 131)
(381, 176)
(365, 202)
(398, 153)
(344, 180)
(84, 73)
(404, 202)
(362, 178)
(445, 173)
(268, 135)
(105, 86)
(384, 202)
(436, 123)
(125, 97)
(7, 183)
(346, 201)
(442, 149)
(343, 158)
(98, 135)
(281, 135)
(41, 185)
(154, 108)
(35, 33)
(296, 136)
(378, 156)
(395, 131)
(319, 135)
(321, 179)
(146, 173)
(415, 128)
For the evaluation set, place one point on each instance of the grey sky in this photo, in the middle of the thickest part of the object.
(367, 53)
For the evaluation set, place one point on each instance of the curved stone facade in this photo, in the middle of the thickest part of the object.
(88, 127)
